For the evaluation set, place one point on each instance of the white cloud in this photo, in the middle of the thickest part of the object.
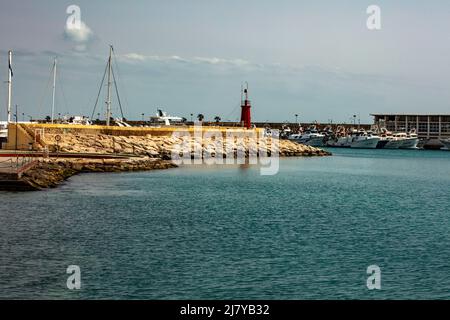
(81, 37)
(218, 61)
(136, 57)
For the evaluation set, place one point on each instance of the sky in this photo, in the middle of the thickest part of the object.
(316, 58)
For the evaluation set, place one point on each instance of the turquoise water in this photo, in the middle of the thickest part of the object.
(309, 232)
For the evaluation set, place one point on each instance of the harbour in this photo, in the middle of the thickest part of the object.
(216, 159)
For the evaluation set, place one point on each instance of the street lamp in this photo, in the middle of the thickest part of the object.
(296, 118)
(143, 117)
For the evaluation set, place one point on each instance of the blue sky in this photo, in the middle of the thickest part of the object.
(313, 58)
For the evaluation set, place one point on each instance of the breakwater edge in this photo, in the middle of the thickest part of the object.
(61, 151)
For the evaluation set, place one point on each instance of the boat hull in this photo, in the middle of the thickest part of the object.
(393, 144)
(315, 142)
(312, 142)
(370, 143)
(381, 144)
(410, 143)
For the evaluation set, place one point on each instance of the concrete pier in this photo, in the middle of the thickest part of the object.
(12, 170)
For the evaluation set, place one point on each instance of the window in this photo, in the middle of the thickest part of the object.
(423, 127)
(401, 125)
(434, 127)
(445, 127)
(390, 126)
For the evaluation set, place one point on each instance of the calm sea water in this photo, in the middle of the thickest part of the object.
(309, 232)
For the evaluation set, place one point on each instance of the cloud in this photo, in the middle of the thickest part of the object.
(81, 37)
(220, 61)
(194, 62)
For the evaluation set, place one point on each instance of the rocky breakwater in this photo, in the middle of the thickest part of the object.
(129, 153)
(163, 147)
(50, 173)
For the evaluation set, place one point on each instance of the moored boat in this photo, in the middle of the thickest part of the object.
(364, 140)
(410, 141)
(395, 141)
(311, 137)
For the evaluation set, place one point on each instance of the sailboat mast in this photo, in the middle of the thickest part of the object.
(108, 99)
(8, 102)
(54, 89)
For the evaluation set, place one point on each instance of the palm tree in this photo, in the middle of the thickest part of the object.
(217, 119)
(200, 117)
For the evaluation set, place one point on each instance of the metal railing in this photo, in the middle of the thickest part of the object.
(18, 161)
(6, 164)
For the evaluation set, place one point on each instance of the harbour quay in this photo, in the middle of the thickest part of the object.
(432, 129)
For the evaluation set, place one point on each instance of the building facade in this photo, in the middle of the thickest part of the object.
(427, 126)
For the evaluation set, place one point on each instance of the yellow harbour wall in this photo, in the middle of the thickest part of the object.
(26, 136)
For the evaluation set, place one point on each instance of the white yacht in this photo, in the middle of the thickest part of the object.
(364, 140)
(162, 116)
(81, 120)
(395, 141)
(310, 138)
(340, 142)
(410, 141)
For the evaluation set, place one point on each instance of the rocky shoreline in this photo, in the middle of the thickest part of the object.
(49, 173)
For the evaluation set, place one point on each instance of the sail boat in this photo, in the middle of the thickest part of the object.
(111, 78)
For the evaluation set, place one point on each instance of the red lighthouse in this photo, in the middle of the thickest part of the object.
(246, 120)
